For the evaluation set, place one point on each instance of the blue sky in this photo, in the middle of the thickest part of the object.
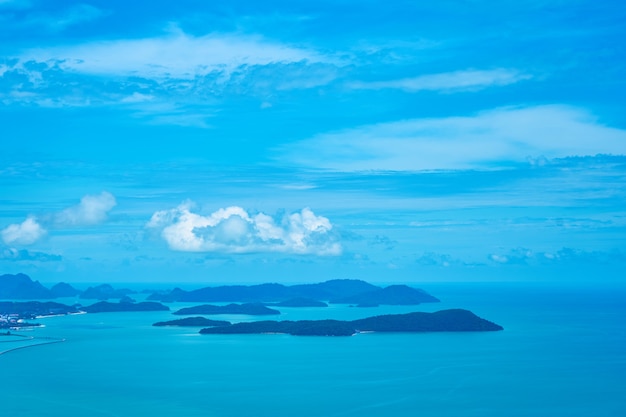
(303, 141)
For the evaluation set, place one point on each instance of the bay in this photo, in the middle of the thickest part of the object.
(562, 353)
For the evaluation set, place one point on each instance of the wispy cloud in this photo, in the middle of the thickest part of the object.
(16, 255)
(524, 256)
(449, 81)
(234, 230)
(92, 209)
(178, 55)
(488, 139)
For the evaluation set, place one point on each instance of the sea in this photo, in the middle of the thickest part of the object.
(562, 353)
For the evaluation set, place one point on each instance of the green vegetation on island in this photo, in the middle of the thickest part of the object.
(251, 309)
(456, 320)
(106, 307)
(298, 302)
(348, 291)
(193, 322)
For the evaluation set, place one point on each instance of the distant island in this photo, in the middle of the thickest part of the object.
(298, 302)
(251, 309)
(106, 307)
(32, 309)
(14, 313)
(104, 292)
(455, 320)
(254, 300)
(341, 291)
(193, 322)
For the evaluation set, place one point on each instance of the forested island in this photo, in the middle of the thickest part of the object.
(106, 307)
(341, 291)
(251, 309)
(454, 320)
(193, 322)
(255, 300)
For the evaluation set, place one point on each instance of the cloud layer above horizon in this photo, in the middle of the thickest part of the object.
(494, 138)
(394, 140)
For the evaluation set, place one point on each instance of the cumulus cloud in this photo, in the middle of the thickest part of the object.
(92, 209)
(507, 135)
(25, 233)
(449, 81)
(234, 230)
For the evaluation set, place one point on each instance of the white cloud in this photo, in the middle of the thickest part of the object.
(25, 233)
(92, 209)
(450, 81)
(485, 140)
(234, 230)
(175, 56)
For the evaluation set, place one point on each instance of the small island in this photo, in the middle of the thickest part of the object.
(32, 309)
(193, 322)
(251, 309)
(106, 307)
(298, 302)
(455, 320)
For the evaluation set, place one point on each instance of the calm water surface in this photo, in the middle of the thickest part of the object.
(563, 353)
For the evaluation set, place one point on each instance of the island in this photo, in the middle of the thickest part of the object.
(347, 291)
(14, 313)
(104, 292)
(342, 291)
(21, 287)
(193, 322)
(391, 295)
(63, 289)
(298, 302)
(32, 309)
(106, 307)
(454, 320)
(251, 309)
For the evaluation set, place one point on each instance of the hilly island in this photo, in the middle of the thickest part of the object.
(253, 300)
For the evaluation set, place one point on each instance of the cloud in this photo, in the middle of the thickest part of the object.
(488, 139)
(178, 55)
(177, 79)
(437, 259)
(25, 233)
(91, 210)
(524, 256)
(449, 81)
(234, 230)
(12, 254)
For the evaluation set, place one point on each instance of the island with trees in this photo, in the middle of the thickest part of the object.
(251, 309)
(193, 322)
(454, 320)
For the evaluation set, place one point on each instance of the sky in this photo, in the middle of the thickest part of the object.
(287, 141)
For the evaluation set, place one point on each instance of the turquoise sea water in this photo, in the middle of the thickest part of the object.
(562, 353)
